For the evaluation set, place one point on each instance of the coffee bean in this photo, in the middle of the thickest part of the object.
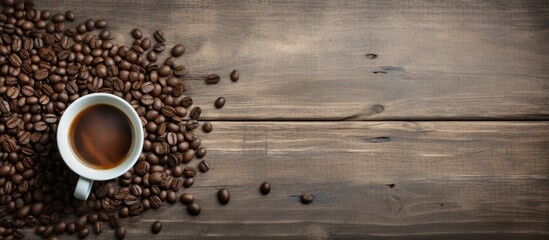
(189, 172)
(195, 112)
(168, 111)
(207, 127)
(147, 100)
(18, 233)
(186, 102)
(178, 50)
(60, 227)
(220, 102)
(193, 209)
(156, 227)
(98, 227)
(204, 166)
(235, 75)
(141, 168)
(164, 71)
(191, 125)
(265, 188)
(171, 138)
(171, 197)
(137, 34)
(70, 16)
(212, 79)
(186, 198)
(155, 201)
(159, 47)
(114, 222)
(83, 233)
(120, 232)
(161, 148)
(159, 36)
(195, 143)
(40, 126)
(200, 152)
(136, 209)
(101, 23)
(188, 182)
(307, 198)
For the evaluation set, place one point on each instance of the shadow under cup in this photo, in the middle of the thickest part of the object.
(87, 173)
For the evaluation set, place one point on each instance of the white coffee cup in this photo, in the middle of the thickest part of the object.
(86, 173)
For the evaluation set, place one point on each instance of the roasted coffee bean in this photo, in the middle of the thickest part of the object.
(159, 36)
(191, 125)
(141, 168)
(171, 197)
(161, 148)
(168, 111)
(193, 209)
(114, 222)
(137, 34)
(102, 191)
(200, 152)
(171, 138)
(98, 227)
(189, 172)
(220, 102)
(186, 198)
(212, 79)
(265, 188)
(159, 47)
(178, 50)
(136, 209)
(307, 198)
(93, 217)
(124, 212)
(101, 23)
(204, 166)
(60, 227)
(195, 112)
(156, 227)
(155, 201)
(235, 75)
(84, 233)
(19, 233)
(207, 127)
(186, 102)
(71, 228)
(223, 196)
(120, 232)
(188, 182)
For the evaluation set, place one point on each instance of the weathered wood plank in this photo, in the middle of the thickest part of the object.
(463, 180)
(306, 59)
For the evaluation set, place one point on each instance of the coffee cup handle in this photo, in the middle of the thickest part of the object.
(83, 188)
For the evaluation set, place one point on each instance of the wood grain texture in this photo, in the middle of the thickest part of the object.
(306, 59)
(456, 180)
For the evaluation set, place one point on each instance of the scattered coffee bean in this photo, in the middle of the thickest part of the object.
(220, 102)
(120, 232)
(265, 188)
(156, 227)
(307, 198)
(212, 79)
(235, 75)
(223, 196)
(207, 127)
(178, 50)
(186, 198)
(137, 34)
(98, 227)
(204, 166)
(193, 209)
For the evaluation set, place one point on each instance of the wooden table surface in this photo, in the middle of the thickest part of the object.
(454, 111)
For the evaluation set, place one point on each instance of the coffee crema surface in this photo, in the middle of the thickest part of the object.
(101, 136)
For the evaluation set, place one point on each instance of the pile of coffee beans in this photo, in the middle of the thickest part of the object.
(46, 63)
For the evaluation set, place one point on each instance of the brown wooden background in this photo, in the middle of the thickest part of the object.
(454, 111)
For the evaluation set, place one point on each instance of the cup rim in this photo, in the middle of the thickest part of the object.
(64, 145)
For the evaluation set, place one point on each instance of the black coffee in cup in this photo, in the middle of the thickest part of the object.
(101, 136)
